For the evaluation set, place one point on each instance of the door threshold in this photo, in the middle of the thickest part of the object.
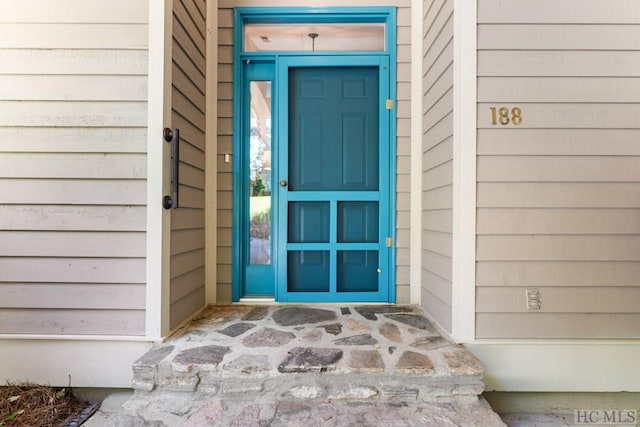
(257, 300)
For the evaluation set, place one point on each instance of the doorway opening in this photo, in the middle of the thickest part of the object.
(314, 155)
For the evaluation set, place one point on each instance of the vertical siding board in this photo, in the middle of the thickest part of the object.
(73, 130)
(557, 196)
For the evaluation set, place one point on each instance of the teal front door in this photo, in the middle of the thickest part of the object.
(332, 179)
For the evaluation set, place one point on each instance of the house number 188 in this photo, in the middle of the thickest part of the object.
(504, 116)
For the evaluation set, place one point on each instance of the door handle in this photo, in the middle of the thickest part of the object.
(173, 136)
(283, 183)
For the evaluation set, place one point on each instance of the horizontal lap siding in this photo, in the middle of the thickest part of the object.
(225, 146)
(437, 160)
(73, 111)
(225, 139)
(559, 195)
(403, 141)
(187, 294)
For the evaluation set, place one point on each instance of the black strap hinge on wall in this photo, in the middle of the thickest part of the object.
(173, 136)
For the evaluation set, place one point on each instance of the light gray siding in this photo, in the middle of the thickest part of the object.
(558, 195)
(437, 160)
(403, 159)
(73, 112)
(225, 139)
(187, 290)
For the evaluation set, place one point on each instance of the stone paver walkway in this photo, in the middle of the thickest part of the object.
(290, 365)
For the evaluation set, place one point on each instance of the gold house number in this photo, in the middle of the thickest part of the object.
(504, 116)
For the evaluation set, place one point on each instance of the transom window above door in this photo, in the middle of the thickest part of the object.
(314, 37)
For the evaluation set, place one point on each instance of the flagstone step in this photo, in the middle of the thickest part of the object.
(172, 410)
(306, 353)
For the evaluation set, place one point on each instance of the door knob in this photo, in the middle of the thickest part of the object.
(283, 183)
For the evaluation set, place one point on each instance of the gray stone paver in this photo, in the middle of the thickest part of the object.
(268, 337)
(362, 339)
(237, 329)
(310, 359)
(300, 315)
(391, 332)
(412, 362)
(415, 320)
(249, 363)
(305, 356)
(257, 313)
(366, 361)
(205, 355)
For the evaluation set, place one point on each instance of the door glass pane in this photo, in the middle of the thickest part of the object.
(314, 37)
(260, 173)
(308, 271)
(358, 222)
(357, 271)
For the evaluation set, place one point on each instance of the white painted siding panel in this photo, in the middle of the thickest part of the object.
(74, 191)
(74, 244)
(71, 322)
(72, 270)
(72, 218)
(73, 61)
(75, 11)
(559, 168)
(559, 325)
(558, 63)
(73, 36)
(553, 12)
(558, 221)
(59, 165)
(73, 140)
(60, 113)
(72, 88)
(558, 142)
(559, 89)
(558, 196)
(561, 273)
(559, 37)
(188, 99)
(73, 92)
(97, 296)
(569, 299)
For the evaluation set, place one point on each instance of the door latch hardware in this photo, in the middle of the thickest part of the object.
(173, 136)
(389, 242)
(389, 104)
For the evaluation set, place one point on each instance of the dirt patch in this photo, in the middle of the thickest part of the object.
(34, 405)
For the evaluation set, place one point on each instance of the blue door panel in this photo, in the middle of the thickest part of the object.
(357, 271)
(358, 222)
(335, 201)
(309, 222)
(308, 271)
(333, 134)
